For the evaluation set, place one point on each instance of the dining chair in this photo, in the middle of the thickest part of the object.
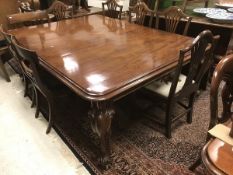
(223, 73)
(180, 86)
(217, 155)
(3, 60)
(59, 9)
(138, 12)
(23, 71)
(112, 9)
(42, 81)
(172, 17)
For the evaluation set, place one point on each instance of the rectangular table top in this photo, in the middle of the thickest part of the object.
(99, 57)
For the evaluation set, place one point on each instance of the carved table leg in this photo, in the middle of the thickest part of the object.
(101, 115)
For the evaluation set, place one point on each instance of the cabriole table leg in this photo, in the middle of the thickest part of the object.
(101, 114)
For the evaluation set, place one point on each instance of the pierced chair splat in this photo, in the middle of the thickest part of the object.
(112, 9)
(172, 17)
(42, 81)
(59, 9)
(138, 13)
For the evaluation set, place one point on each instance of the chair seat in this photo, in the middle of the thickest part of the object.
(162, 88)
(218, 157)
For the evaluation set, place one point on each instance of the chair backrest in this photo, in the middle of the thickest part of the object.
(172, 17)
(35, 4)
(223, 73)
(200, 53)
(30, 62)
(186, 2)
(20, 19)
(59, 9)
(140, 10)
(113, 10)
(6, 35)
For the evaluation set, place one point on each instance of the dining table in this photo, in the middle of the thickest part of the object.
(102, 60)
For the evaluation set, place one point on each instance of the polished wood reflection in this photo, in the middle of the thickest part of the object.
(99, 62)
(28, 16)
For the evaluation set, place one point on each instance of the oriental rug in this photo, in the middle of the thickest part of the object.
(138, 144)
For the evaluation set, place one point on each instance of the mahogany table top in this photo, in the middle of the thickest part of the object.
(99, 57)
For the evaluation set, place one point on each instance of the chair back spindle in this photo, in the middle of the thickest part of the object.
(30, 62)
(59, 9)
(223, 73)
(173, 16)
(140, 10)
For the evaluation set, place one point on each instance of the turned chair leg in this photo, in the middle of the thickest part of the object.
(190, 106)
(37, 104)
(2, 67)
(26, 83)
(33, 98)
(168, 125)
(37, 111)
(168, 121)
(51, 115)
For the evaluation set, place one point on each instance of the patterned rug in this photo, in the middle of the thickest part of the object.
(138, 144)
